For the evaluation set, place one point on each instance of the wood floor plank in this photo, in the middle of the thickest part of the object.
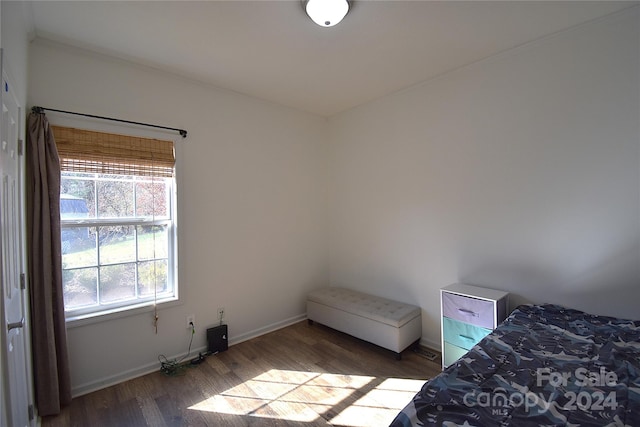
(151, 412)
(299, 376)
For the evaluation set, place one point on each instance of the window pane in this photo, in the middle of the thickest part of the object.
(117, 244)
(117, 282)
(80, 287)
(152, 275)
(117, 259)
(79, 247)
(151, 199)
(115, 199)
(77, 198)
(153, 242)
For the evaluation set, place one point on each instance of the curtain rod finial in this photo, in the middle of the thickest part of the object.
(183, 133)
(37, 110)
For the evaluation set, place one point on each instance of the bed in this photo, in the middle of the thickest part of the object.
(545, 365)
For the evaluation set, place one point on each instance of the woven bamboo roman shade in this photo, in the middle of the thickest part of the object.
(99, 152)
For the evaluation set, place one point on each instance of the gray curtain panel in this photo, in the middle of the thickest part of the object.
(48, 329)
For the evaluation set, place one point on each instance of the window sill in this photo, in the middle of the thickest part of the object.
(120, 312)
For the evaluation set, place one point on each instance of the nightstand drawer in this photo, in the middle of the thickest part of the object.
(469, 310)
(462, 334)
(452, 353)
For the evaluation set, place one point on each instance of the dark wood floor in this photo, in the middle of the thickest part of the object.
(301, 375)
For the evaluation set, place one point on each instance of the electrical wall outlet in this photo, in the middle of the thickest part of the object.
(221, 314)
(191, 321)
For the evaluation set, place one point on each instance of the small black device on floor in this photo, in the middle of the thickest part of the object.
(217, 339)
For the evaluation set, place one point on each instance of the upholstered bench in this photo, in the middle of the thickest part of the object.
(390, 324)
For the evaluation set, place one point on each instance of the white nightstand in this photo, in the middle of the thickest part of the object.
(469, 313)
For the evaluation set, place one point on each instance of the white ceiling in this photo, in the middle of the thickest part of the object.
(272, 50)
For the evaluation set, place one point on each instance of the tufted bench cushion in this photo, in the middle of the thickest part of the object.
(391, 324)
(383, 310)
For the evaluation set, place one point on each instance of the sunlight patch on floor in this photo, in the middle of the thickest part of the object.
(304, 396)
(380, 405)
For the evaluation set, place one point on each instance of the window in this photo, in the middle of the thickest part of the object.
(118, 223)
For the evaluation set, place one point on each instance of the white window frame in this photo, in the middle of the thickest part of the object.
(132, 306)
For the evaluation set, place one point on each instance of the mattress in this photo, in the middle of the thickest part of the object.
(545, 365)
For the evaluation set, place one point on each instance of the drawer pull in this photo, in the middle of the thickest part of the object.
(469, 312)
(466, 337)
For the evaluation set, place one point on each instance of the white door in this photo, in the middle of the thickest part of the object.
(15, 366)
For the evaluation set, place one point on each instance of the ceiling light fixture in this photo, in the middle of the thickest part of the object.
(326, 13)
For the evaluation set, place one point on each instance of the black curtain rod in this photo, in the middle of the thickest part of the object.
(41, 110)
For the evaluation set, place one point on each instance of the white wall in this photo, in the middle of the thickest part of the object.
(252, 206)
(14, 39)
(520, 172)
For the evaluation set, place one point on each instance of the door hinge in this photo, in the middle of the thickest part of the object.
(23, 282)
(32, 413)
(20, 147)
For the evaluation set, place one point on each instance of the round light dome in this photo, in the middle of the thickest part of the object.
(327, 13)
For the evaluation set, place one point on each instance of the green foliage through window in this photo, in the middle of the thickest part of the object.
(118, 241)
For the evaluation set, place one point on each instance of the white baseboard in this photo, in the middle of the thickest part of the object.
(129, 374)
(266, 329)
(150, 367)
(432, 345)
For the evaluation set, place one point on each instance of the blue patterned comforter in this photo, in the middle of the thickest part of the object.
(545, 365)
